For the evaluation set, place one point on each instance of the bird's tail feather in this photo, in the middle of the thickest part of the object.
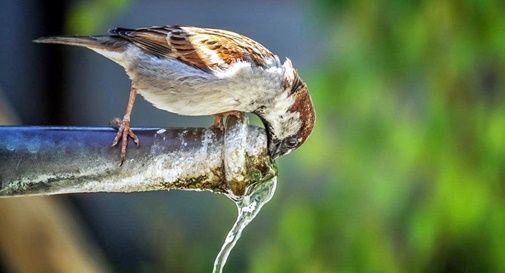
(92, 42)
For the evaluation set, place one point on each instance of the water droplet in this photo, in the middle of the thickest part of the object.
(33, 145)
(11, 146)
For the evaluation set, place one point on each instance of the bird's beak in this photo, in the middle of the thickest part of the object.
(274, 145)
(274, 149)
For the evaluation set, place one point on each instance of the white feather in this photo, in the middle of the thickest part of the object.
(171, 85)
(284, 123)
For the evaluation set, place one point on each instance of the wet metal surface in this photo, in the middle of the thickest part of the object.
(53, 160)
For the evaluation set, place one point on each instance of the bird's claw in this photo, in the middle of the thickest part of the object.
(217, 125)
(124, 131)
(116, 122)
(218, 119)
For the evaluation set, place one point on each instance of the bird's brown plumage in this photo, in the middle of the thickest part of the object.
(204, 48)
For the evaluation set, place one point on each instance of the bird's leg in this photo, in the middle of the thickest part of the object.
(218, 118)
(124, 130)
(218, 122)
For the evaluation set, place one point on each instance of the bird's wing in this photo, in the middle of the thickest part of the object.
(207, 49)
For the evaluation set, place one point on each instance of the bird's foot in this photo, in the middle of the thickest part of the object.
(124, 131)
(218, 123)
(218, 119)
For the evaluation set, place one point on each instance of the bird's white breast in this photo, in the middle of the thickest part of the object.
(171, 85)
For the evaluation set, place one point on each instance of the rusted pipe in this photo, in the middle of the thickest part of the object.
(55, 160)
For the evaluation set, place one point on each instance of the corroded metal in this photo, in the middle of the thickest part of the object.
(235, 158)
(54, 160)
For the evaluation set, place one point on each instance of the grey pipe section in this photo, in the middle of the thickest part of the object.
(55, 160)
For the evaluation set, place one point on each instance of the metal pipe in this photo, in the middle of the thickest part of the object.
(55, 160)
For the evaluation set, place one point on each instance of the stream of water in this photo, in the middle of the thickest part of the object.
(248, 207)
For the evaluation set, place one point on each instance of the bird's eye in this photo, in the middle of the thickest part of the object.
(291, 142)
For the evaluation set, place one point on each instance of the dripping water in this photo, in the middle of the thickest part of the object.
(248, 207)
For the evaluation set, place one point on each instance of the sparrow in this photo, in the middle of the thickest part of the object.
(202, 71)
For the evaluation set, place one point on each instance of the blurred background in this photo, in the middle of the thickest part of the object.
(405, 171)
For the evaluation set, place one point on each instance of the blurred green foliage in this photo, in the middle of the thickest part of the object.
(409, 147)
(88, 17)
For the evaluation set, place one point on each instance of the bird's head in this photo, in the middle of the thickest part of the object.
(290, 118)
